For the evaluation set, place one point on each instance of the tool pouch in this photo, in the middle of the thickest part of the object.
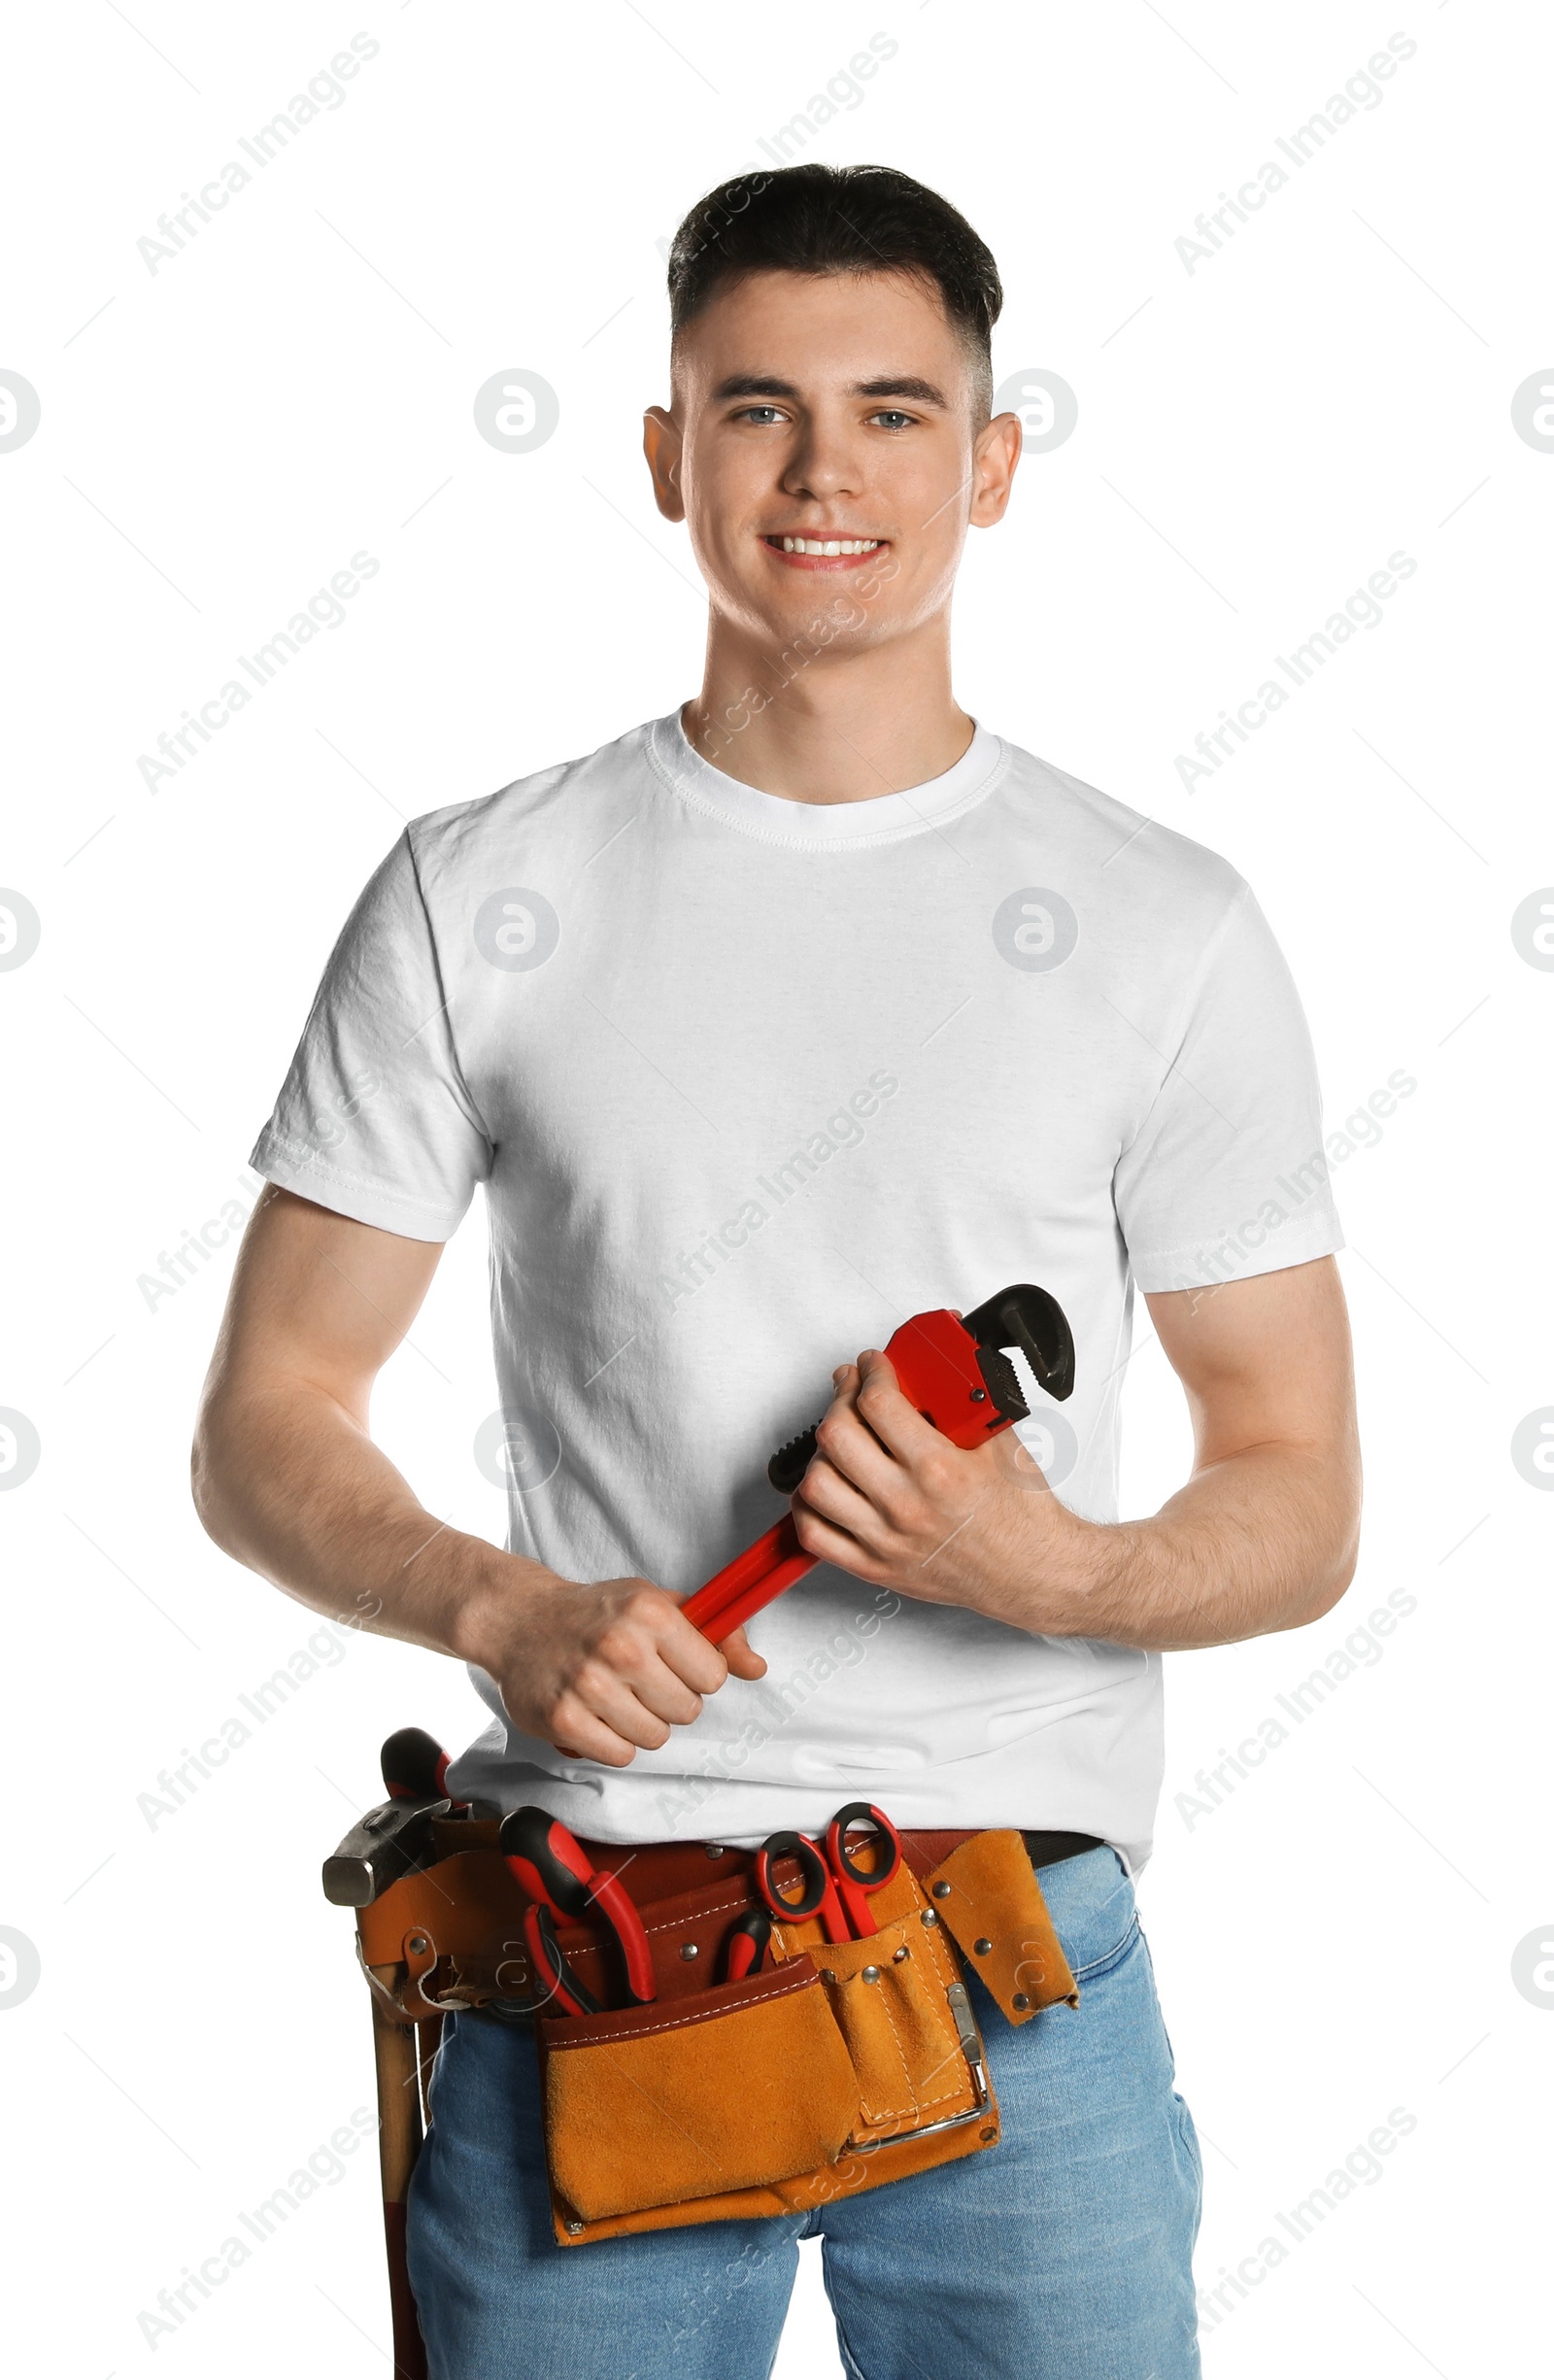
(842, 2066)
(651, 2109)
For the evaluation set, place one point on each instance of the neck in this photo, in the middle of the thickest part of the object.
(835, 726)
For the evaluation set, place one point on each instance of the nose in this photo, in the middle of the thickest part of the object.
(824, 463)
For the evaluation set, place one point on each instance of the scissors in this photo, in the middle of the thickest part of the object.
(831, 1887)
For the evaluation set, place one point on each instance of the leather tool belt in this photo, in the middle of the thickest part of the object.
(834, 2068)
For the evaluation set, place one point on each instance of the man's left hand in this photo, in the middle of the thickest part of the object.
(890, 1499)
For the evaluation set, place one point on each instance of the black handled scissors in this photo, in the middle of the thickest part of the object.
(831, 1885)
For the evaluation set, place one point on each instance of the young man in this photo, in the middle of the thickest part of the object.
(798, 1011)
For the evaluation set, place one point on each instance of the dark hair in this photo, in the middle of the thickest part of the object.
(839, 219)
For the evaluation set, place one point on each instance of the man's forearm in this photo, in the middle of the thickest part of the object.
(1263, 1540)
(1260, 1538)
(288, 1483)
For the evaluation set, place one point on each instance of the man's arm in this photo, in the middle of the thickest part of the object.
(1264, 1536)
(288, 1479)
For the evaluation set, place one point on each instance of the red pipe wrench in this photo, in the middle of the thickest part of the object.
(954, 1370)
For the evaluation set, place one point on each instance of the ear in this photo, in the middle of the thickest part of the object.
(661, 443)
(994, 459)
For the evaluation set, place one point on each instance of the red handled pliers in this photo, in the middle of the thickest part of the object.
(551, 1867)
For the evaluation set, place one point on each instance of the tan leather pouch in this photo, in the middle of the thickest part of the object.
(716, 2091)
(987, 1894)
(842, 2067)
(901, 2006)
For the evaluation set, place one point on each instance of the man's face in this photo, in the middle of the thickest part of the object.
(824, 410)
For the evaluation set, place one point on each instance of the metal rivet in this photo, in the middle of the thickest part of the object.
(714, 1851)
(979, 1396)
(688, 1950)
(905, 1951)
(827, 1974)
(1021, 1999)
(416, 1944)
(941, 1893)
(983, 1946)
(868, 1975)
(575, 2227)
(930, 1917)
(989, 2133)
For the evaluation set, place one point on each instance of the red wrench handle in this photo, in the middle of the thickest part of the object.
(749, 1583)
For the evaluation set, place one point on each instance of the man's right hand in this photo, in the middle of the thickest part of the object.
(601, 1672)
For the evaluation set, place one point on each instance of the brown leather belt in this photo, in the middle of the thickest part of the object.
(448, 1935)
(654, 1871)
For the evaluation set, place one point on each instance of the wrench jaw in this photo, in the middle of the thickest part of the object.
(1021, 1316)
(1003, 1384)
(1031, 1319)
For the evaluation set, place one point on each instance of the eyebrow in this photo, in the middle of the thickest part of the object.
(886, 384)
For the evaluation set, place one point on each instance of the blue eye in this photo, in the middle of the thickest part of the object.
(895, 418)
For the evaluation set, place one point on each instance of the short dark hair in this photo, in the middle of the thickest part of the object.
(839, 219)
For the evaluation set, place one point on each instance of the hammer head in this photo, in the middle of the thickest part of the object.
(386, 1844)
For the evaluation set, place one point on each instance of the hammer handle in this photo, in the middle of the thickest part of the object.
(399, 2138)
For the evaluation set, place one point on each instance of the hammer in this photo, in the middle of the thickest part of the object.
(395, 1837)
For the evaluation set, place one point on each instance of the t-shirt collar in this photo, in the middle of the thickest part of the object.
(811, 826)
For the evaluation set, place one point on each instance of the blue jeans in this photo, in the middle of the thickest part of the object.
(1066, 2250)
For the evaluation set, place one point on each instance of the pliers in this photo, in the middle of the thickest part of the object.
(551, 1866)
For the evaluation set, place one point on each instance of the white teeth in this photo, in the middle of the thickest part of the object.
(830, 545)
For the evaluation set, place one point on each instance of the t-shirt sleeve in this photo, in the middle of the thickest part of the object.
(1227, 1174)
(375, 1118)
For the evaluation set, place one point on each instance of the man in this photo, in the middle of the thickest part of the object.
(788, 1015)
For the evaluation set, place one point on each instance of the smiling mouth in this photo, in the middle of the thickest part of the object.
(822, 553)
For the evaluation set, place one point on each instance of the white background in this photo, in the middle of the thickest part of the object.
(1255, 437)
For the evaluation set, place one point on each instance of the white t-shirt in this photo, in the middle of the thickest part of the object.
(749, 1081)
